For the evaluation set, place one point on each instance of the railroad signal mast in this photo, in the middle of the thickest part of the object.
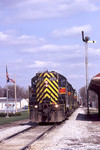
(86, 40)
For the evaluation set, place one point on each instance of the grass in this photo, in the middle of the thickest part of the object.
(4, 120)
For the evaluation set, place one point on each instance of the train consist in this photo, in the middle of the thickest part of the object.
(51, 97)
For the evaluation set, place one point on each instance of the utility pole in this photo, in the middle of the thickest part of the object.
(7, 101)
(7, 80)
(86, 40)
(15, 95)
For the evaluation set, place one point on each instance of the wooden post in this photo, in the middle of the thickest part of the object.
(15, 96)
(7, 102)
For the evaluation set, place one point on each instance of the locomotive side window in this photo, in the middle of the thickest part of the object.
(34, 85)
(69, 88)
(63, 82)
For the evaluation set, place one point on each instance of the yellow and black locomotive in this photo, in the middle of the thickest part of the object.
(51, 97)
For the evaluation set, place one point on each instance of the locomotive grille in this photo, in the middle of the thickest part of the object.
(47, 87)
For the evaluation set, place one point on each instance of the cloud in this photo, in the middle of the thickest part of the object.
(86, 5)
(50, 9)
(42, 64)
(10, 38)
(30, 39)
(3, 36)
(70, 32)
(75, 65)
(75, 76)
(94, 51)
(43, 9)
(52, 48)
(17, 61)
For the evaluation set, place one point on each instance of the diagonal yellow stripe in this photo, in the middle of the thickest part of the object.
(38, 83)
(40, 75)
(52, 74)
(38, 99)
(53, 91)
(47, 90)
(39, 96)
(39, 87)
(55, 83)
(40, 91)
(46, 74)
(53, 86)
(46, 79)
(47, 95)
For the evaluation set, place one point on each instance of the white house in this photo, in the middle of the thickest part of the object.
(11, 103)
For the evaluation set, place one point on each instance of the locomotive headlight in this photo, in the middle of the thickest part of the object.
(56, 106)
(46, 83)
(36, 106)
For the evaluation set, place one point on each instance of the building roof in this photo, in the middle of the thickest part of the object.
(4, 99)
(97, 76)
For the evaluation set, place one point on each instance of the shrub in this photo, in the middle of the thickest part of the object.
(18, 114)
(3, 114)
(10, 114)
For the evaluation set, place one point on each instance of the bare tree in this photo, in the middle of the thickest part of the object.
(93, 98)
(20, 91)
(83, 96)
(1, 92)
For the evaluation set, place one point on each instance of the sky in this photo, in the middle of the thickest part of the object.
(40, 35)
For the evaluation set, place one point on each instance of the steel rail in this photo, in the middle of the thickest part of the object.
(13, 135)
(36, 139)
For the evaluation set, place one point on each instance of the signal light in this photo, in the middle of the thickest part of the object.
(36, 106)
(56, 106)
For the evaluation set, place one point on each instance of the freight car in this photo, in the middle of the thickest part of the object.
(51, 97)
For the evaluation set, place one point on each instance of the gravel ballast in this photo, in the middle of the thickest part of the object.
(10, 129)
(74, 134)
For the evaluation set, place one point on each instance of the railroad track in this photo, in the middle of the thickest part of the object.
(23, 139)
(15, 134)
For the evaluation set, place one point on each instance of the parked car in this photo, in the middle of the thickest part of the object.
(25, 107)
